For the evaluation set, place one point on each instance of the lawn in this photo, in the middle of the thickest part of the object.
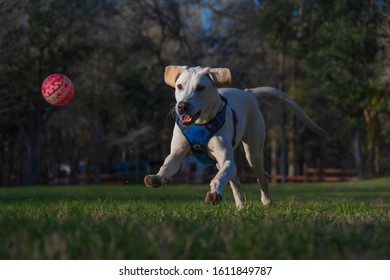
(309, 221)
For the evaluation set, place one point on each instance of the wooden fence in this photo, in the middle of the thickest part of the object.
(313, 174)
(310, 174)
(133, 173)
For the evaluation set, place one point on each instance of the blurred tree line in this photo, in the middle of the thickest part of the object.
(331, 56)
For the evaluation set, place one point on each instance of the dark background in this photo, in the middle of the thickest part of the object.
(332, 57)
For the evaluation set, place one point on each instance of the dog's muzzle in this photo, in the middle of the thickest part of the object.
(186, 119)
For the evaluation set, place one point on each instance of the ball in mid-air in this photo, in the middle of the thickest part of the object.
(57, 89)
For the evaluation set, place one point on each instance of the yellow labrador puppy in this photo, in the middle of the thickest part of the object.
(212, 121)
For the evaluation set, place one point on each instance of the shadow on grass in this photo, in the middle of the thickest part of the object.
(46, 194)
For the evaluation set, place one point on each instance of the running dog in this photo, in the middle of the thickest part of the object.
(211, 121)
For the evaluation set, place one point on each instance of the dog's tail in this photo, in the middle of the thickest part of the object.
(270, 91)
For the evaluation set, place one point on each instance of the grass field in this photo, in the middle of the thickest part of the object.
(309, 221)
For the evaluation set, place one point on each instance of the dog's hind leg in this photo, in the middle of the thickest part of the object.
(237, 192)
(253, 147)
(254, 156)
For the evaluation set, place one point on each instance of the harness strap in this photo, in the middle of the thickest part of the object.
(235, 121)
(198, 135)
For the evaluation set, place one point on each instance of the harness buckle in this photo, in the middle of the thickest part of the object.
(197, 147)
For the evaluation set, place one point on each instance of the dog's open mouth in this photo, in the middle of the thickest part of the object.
(188, 119)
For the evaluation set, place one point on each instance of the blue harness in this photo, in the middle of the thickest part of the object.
(198, 135)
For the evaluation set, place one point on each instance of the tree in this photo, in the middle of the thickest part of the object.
(279, 23)
(378, 111)
(322, 53)
(341, 60)
(334, 47)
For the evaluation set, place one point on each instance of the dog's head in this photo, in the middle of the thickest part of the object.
(197, 98)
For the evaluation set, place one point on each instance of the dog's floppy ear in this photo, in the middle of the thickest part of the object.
(172, 72)
(221, 77)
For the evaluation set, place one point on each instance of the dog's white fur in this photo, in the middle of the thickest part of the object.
(250, 127)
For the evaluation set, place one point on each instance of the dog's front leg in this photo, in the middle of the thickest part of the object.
(179, 149)
(224, 154)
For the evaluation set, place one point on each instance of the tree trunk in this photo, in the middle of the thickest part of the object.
(283, 142)
(291, 154)
(274, 154)
(357, 154)
(283, 149)
(98, 148)
(373, 154)
(33, 165)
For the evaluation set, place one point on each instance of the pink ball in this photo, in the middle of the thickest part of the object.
(57, 89)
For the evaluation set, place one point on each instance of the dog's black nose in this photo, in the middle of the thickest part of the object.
(183, 107)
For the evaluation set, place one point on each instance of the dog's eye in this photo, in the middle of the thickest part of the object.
(200, 88)
(179, 86)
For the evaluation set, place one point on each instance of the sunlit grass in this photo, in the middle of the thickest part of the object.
(309, 221)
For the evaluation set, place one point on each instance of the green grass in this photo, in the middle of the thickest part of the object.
(309, 221)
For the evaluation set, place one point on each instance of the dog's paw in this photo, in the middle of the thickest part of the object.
(213, 198)
(154, 181)
(267, 201)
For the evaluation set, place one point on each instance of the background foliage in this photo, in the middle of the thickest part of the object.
(331, 56)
